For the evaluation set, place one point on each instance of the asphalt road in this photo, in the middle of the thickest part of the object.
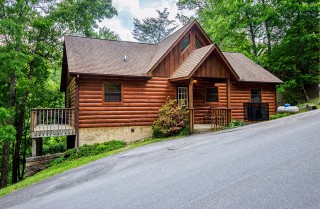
(274, 164)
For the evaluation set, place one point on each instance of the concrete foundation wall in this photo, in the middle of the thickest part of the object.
(104, 134)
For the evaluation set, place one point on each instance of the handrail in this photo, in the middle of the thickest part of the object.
(219, 117)
(52, 122)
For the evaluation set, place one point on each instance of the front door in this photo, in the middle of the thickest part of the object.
(183, 96)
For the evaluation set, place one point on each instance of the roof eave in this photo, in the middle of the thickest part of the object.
(112, 75)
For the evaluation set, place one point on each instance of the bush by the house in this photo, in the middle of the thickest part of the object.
(89, 150)
(173, 120)
(236, 123)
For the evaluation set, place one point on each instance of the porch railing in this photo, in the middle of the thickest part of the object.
(52, 122)
(218, 118)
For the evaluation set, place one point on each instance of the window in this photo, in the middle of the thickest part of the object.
(255, 95)
(185, 42)
(112, 92)
(183, 96)
(212, 94)
(198, 43)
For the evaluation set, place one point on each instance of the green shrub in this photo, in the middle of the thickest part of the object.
(279, 115)
(236, 123)
(89, 150)
(173, 117)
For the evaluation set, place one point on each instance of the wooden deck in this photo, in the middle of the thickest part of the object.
(52, 122)
(52, 130)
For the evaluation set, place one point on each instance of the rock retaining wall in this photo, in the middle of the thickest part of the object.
(39, 163)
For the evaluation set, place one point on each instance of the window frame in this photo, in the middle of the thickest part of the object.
(187, 95)
(197, 39)
(205, 95)
(260, 94)
(103, 93)
(187, 46)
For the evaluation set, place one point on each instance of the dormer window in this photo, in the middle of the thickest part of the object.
(185, 42)
(198, 43)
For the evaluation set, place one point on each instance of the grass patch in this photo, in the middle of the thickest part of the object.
(279, 115)
(60, 166)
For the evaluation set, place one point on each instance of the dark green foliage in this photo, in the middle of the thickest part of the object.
(89, 150)
(279, 115)
(172, 120)
(153, 30)
(54, 145)
(236, 123)
(282, 36)
(31, 41)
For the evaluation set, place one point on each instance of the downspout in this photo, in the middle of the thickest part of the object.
(77, 110)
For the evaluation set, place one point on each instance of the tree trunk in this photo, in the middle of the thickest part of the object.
(305, 93)
(16, 157)
(252, 36)
(6, 145)
(266, 24)
(24, 154)
(5, 164)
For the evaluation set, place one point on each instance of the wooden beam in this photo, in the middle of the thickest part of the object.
(191, 93)
(228, 93)
(191, 119)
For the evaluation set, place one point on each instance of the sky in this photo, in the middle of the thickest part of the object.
(122, 24)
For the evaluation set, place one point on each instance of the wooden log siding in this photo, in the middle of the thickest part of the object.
(240, 93)
(201, 107)
(172, 61)
(71, 93)
(141, 101)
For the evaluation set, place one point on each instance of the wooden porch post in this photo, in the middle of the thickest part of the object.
(191, 121)
(228, 93)
(229, 117)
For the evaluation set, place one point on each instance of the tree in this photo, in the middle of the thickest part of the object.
(282, 36)
(153, 30)
(31, 51)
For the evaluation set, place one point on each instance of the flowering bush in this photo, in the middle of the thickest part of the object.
(173, 119)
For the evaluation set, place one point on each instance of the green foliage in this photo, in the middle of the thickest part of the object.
(279, 115)
(236, 123)
(173, 119)
(54, 145)
(282, 36)
(30, 61)
(153, 30)
(7, 132)
(89, 150)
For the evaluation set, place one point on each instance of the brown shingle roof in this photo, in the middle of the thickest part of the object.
(192, 61)
(106, 57)
(165, 45)
(97, 56)
(249, 71)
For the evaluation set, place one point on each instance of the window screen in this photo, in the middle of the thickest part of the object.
(212, 94)
(112, 92)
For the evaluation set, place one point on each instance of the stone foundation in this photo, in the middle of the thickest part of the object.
(39, 163)
(100, 135)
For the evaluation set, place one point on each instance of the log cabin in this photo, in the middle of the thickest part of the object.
(114, 89)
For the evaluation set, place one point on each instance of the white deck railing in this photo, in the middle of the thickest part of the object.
(52, 122)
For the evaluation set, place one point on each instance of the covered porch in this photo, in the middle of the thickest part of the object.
(203, 81)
